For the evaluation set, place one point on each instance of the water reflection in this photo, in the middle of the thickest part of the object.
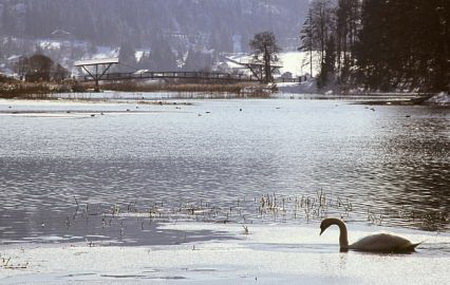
(419, 169)
(390, 166)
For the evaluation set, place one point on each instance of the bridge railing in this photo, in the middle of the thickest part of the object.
(288, 80)
(172, 74)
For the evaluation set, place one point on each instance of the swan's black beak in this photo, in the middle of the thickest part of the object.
(321, 232)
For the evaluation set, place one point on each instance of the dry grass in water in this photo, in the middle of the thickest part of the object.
(122, 220)
(266, 208)
(194, 89)
(8, 263)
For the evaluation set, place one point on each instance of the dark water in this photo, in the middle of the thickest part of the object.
(73, 176)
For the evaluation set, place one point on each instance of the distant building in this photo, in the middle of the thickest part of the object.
(286, 75)
(60, 34)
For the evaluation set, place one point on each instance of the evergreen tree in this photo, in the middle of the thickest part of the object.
(372, 48)
(403, 44)
(381, 45)
(347, 25)
(327, 70)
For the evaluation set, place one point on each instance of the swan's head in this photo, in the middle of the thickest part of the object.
(326, 223)
(343, 240)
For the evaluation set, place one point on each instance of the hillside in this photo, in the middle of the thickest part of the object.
(203, 25)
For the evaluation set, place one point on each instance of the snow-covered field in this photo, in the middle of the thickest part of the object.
(265, 254)
(294, 62)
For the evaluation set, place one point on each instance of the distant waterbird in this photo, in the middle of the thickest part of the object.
(381, 242)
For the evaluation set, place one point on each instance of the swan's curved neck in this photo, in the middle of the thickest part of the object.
(343, 236)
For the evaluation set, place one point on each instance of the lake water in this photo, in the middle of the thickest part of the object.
(113, 171)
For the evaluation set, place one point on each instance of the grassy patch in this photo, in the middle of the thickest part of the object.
(11, 88)
(237, 89)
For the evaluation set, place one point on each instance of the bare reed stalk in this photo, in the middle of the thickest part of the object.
(240, 89)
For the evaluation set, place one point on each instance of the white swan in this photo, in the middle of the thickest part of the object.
(382, 242)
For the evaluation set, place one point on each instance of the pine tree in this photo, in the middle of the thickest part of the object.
(372, 50)
(403, 45)
(327, 71)
(347, 25)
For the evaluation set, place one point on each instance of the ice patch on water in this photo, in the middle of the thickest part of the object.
(268, 254)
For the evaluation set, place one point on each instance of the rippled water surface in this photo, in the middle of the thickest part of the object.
(68, 172)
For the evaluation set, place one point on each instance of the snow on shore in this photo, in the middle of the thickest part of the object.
(266, 254)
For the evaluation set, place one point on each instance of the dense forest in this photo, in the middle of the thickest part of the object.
(380, 44)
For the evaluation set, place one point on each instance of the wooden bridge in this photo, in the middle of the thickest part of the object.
(193, 75)
(97, 70)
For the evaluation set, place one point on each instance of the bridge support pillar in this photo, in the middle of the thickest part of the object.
(96, 73)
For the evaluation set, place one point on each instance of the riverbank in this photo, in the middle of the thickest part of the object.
(255, 254)
(11, 88)
(15, 89)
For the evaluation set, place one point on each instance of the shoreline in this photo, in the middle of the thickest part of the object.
(179, 98)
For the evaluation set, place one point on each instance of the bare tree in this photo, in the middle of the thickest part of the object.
(318, 26)
(307, 40)
(265, 56)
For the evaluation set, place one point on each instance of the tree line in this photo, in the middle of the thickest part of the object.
(40, 68)
(380, 45)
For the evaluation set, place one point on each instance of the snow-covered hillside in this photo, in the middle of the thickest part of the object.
(173, 26)
(164, 34)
